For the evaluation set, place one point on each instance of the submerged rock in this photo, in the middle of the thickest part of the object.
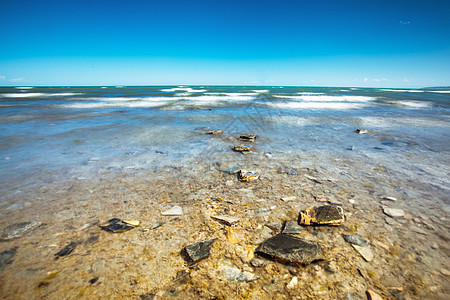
(216, 131)
(362, 131)
(234, 274)
(66, 250)
(248, 137)
(393, 212)
(243, 148)
(365, 252)
(291, 227)
(322, 215)
(17, 230)
(229, 220)
(197, 251)
(355, 240)
(174, 211)
(247, 176)
(6, 257)
(116, 225)
(290, 248)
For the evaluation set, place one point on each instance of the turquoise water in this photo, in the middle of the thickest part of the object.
(53, 134)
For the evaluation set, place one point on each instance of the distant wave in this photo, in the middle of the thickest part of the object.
(402, 91)
(185, 89)
(326, 98)
(318, 105)
(31, 95)
(441, 92)
(23, 87)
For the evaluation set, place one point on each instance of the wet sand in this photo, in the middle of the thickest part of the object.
(411, 253)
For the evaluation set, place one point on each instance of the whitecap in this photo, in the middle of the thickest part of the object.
(441, 92)
(80, 105)
(318, 105)
(402, 91)
(23, 87)
(310, 93)
(185, 89)
(413, 104)
(260, 91)
(29, 95)
(327, 98)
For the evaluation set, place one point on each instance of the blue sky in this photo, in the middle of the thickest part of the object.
(308, 43)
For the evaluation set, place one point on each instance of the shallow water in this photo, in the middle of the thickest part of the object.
(73, 154)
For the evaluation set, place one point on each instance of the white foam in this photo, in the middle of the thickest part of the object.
(23, 87)
(310, 93)
(114, 104)
(327, 98)
(260, 91)
(185, 89)
(402, 91)
(29, 95)
(413, 104)
(371, 122)
(441, 92)
(318, 105)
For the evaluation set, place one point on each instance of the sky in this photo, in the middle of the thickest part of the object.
(367, 43)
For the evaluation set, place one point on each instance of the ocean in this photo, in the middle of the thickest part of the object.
(362, 144)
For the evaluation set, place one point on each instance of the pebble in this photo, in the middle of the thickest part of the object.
(6, 257)
(390, 198)
(268, 155)
(293, 283)
(234, 274)
(291, 227)
(352, 201)
(365, 252)
(198, 251)
(18, 229)
(355, 240)
(288, 198)
(373, 296)
(66, 250)
(393, 212)
(445, 272)
(229, 220)
(313, 178)
(291, 248)
(174, 211)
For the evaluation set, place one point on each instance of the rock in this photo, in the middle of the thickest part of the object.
(445, 272)
(248, 137)
(229, 220)
(234, 274)
(371, 295)
(174, 211)
(243, 148)
(291, 227)
(232, 170)
(322, 215)
(288, 198)
(257, 262)
(355, 240)
(157, 225)
(390, 198)
(293, 283)
(147, 296)
(365, 252)
(93, 238)
(290, 248)
(352, 201)
(390, 221)
(217, 131)
(6, 257)
(18, 229)
(234, 236)
(261, 211)
(247, 176)
(313, 178)
(268, 155)
(393, 212)
(87, 225)
(362, 131)
(197, 251)
(116, 225)
(66, 250)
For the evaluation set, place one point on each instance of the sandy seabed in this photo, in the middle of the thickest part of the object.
(410, 253)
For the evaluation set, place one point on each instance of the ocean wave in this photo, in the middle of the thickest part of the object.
(32, 95)
(185, 89)
(318, 105)
(402, 91)
(310, 93)
(371, 122)
(441, 92)
(23, 87)
(326, 98)
(136, 104)
(413, 104)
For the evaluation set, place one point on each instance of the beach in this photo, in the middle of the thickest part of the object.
(73, 158)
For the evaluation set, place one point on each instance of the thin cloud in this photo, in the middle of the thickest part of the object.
(403, 23)
(17, 79)
(2, 77)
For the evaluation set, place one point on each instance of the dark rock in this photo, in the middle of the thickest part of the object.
(197, 251)
(18, 229)
(291, 227)
(290, 248)
(147, 297)
(66, 250)
(355, 240)
(322, 215)
(6, 257)
(93, 238)
(117, 225)
(248, 137)
(93, 280)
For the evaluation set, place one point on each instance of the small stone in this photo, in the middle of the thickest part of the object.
(355, 240)
(116, 225)
(243, 148)
(373, 296)
(362, 131)
(232, 170)
(322, 215)
(197, 251)
(94, 159)
(290, 248)
(313, 178)
(390, 198)
(6, 257)
(390, 221)
(174, 211)
(248, 137)
(393, 212)
(66, 250)
(268, 155)
(234, 274)
(352, 201)
(229, 220)
(291, 227)
(17, 230)
(157, 225)
(293, 283)
(257, 262)
(445, 272)
(365, 252)
(247, 176)
(288, 198)
(229, 182)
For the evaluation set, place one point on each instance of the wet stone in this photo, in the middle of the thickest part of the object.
(234, 274)
(18, 229)
(322, 215)
(288, 198)
(197, 251)
(290, 248)
(229, 220)
(174, 211)
(365, 252)
(355, 240)
(116, 225)
(248, 137)
(6, 257)
(243, 148)
(393, 212)
(247, 176)
(66, 250)
(291, 227)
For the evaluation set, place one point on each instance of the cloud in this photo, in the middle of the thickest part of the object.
(2, 77)
(17, 79)
(403, 23)
(366, 79)
(405, 80)
(376, 80)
